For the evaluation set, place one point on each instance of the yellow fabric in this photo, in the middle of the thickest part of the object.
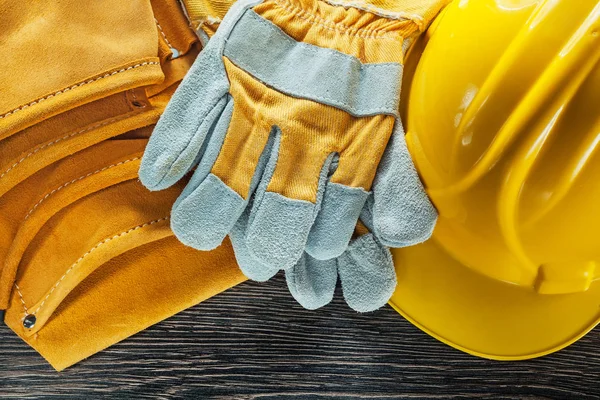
(366, 36)
(508, 151)
(312, 132)
(206, 14)
(419, 12)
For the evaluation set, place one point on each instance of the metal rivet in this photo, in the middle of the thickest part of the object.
(138, 104)
(29, 321)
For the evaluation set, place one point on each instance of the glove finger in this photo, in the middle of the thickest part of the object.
(205, 216)
(207, 209)
(277, 235)
(279, 226)
(367, 274)
(312, 282)
(188, 118)
(251, 267)
(333, 228)
(402, 212)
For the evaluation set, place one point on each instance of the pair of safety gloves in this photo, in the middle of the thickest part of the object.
(290, 118)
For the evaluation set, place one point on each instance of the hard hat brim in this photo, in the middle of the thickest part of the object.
(486, 317)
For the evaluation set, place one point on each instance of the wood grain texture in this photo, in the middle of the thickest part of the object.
(255, 342)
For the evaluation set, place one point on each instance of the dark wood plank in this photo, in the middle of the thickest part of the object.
(254, 342)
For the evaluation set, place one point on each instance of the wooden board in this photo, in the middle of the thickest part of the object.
(255, 342)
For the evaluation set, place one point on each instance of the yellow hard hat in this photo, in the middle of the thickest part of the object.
(503, 122)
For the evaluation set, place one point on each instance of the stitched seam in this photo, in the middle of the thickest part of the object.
(65, 138)
(76, 263)
(332, 26)
(389, 110)
(356, 190)
(285, 201)
(304, 14)
(397, 15)
(21, 298)
(163, 33)
(78, 85)
(73, 181)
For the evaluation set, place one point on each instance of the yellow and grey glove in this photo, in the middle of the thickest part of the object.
(284, 89)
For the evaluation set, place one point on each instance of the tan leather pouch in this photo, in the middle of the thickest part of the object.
(62, 54)
(72, 238)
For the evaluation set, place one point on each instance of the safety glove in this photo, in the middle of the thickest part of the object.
(297, 83)
(365, 269)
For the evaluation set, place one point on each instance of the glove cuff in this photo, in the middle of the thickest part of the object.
(366, 36)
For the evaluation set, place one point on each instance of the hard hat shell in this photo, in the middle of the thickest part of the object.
(502, 110)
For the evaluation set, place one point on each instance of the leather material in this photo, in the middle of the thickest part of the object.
(88, 52)
(92, 274)
(83, 246)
